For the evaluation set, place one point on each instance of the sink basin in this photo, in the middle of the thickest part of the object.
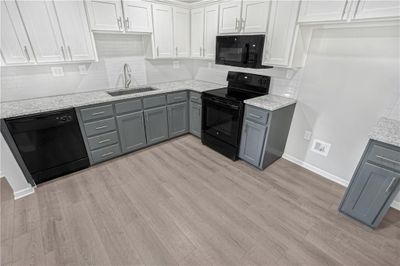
(130, 91)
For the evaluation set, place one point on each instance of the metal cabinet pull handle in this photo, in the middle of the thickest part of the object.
(69, 51)
(107, 154)
(27, 54)
(177, 98)
(101, 127)
(104, 141)
(237, 24)
(242, 25)
(119, 21)
(391, 184)
(387, 159)
(255, 116)
(127, 23)
(62, 51)
(98, 113)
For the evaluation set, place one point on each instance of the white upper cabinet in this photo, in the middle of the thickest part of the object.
(41, 23)
(15, 47)
(323, 10)
(210, 31)
(137, 16)
(105, 15)
(197, 32)
(377, 9)
(181, 32)
(281, 32)
(254, 16)
(230, 17)
(75, 30)
(163, 33)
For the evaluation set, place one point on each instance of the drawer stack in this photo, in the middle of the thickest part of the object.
(101, 132)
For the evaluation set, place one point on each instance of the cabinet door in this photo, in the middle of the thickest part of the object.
(41, 23)
(210, 30)
(137, 16)
(281, 32)
(195, 119)
(322, 10)
(181, 32)
(162, 20)
(177, 119)
(156, 124)
(255, 16)
(105, 15)
(252, 142)
(369, 190)
(131, 131)
(377, 9)
(197, 32)
(229, 17)
(15, 47)
(75, 29)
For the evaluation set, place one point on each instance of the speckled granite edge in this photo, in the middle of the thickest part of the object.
(270, 102)
(53, 103)
(387, 131)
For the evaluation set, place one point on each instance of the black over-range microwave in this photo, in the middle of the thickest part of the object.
(240, 51)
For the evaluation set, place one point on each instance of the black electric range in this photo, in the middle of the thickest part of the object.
(223, 109)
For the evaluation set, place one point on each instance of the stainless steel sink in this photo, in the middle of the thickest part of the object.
(130, 91)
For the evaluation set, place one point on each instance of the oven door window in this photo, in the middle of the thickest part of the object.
(221, 121)
(231, 54)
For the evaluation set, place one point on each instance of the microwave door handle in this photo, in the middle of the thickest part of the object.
(246, 53)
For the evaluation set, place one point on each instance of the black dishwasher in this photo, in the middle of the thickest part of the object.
(50, 144)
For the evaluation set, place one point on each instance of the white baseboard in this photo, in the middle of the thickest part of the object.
(325, 174)
(23, 192)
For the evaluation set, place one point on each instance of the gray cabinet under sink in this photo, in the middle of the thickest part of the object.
(131, 131)
(156, 124)
(374, 185)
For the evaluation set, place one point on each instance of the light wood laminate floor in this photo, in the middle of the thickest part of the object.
(181, 203)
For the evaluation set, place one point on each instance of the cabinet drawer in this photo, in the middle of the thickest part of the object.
(106, 153)
(195, 97)
(128, 107)
(384, 156)
(256, 115)
(154, 101)
(98, 112)
(103, 140)
(99, 127)
(177, 97)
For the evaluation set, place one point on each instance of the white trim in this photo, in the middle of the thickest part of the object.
(23, 192)
(327, 175)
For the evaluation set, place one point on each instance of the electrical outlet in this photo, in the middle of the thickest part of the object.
(82, 69)
(321, 147)
(57, 71)
(307, 135)
(175, 65)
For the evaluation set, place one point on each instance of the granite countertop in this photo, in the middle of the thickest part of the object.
(387, 131)
(53, 103)
(46, 104)
(270, 102)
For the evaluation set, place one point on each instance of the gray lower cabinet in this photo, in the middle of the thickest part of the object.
(131, 131)
(177, 119)
(264, 134)
(374, 185)
(156, 124)
(252, 142)
(195, 119)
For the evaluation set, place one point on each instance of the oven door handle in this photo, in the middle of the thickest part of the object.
(231, 106)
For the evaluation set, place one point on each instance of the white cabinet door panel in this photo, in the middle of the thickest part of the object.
(162, 20)
(105, 15)
(41, 23)
(15, 47)
(197, 32)
(322, 10)
(255, 16)
(281, 32)
(210, 30)
(137, 16)
(377, 9)
(181, 32)
(229, 16)
(75, 30)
